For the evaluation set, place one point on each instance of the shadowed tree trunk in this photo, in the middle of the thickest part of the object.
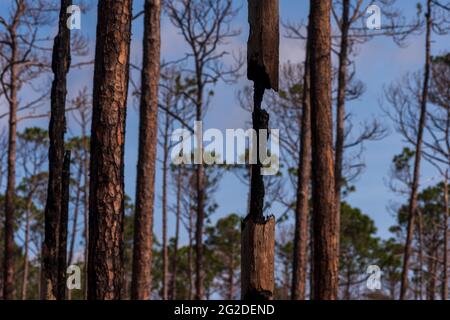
(445, 262)
(60, 66)
(325, 225)
(300, 261)
(418, 157)
(143, 227)
(63, 223)
(165, 169)
(106, 195)
(173, 285)
(340, 111)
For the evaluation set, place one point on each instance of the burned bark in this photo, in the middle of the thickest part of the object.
(143, 227)
(60, 66)
(325, 217)
(106, 196)
(258, 233)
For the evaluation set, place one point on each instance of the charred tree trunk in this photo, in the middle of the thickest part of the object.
(418, 157)
(106, 195)
(143, 227)
(300, 261)
(325, 215)
(258, 232)
(60, 66)
(63, 224)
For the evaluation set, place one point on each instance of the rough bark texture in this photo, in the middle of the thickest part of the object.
(143, 227)
(60, 66)
(106, 196)
(258, 233)
(257, 256)
(300, 260)
(263, 42)
(63, 224)
(418, 157)
(325, 225)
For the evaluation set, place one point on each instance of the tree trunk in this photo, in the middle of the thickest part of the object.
(165, 249)
(86, 207)
(63, 224)
(190, 266)
(148, 129)
(418, 158)
(173, 288)
(200, 186)
(26, 250)
(325, 215)
(340, 123)
(258, 233)
(75, 215)
(300, 260)
(106, 195)
(8, 266)
(60, 66)
(445, 259)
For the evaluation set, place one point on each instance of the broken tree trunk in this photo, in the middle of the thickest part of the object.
(57, 128)
(258, 232)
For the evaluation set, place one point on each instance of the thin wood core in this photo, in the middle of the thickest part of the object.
(257, 252)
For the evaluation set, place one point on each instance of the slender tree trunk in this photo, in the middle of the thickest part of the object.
(8, 267)
(300, 261)
(173, 287)
(86, 206)
(148, 129)
(325, 215)
(190, 264)
(421, 247)
(165, 249)
(63, 224)
(445, 259)
(26, 250)
(340, 123)
(75, 215)
(106, 195)
(418, 158)
(60, 66)
(200, 186)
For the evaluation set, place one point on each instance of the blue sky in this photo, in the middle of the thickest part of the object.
(378, 63)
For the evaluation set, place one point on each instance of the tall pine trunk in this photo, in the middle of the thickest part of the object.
(8, 266)
(418, 157)
(143, 227)
(173, 281)
(340, 110)
(106, 195)
(60, 66)
(300, 261)
(325, 215)
(445, 259)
